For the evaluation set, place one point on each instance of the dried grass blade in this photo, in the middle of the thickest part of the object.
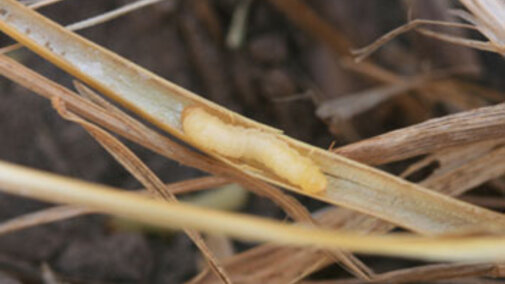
(48, 275)
(477, 44)
(90, 22)
(45, 216)
(306, 18)
(59, 213)
(41, 3)
(143, 174)
(115, 120)
(364, 52)
(471, 173)
(435, 272)
(480, 162)
(442, 272)
(350, 184)
(345, 107)
(289, 204)
(53, 188)
(105, 17)
(481, 124)
(196, 184)
(488, 17)
(112, 118)
(120, 79)
(238, 24)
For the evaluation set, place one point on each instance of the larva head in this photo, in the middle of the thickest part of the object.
(314, 181)
(195, 117)
(195, 120)
(191, 111)
(194, 123)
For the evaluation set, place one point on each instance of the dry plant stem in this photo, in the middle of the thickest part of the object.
(470, 281)
(467, 174)
(102, 18)
(192, 234)
(192, 117)
(64, 212)
(53, 188)
(222, 245)
(481, 45)
(481, 124)
(459, 171)
(115, 120)
(434, 272)
(90, 22)
(143, 174)
(45, 216)
(263, 263)
(364, 52)
(474, 171)
(237, 30)
(349, 262)
(43, 3)
(48, 275)
(196, 184)
(347, 106)
(351, 184)
(289, 204)
(489, 18)
(303, 16)
(32, 81)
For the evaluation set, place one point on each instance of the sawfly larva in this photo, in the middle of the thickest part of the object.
(211, 133)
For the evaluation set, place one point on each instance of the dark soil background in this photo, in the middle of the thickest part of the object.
(278, 76)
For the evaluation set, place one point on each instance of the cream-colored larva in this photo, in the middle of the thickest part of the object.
(211, 133)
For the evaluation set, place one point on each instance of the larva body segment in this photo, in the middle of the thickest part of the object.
(211, 133)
